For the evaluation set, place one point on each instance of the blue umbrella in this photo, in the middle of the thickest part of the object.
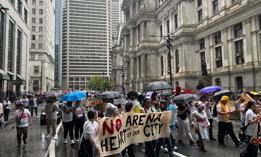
(209, 89)
(74, 96)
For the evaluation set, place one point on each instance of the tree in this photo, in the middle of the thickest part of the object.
(98, 83)
(56, 85)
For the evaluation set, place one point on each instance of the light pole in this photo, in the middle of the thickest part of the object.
(169, 46)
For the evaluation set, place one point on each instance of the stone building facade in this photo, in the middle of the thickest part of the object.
(42, 46)
(14, 50)
(225, 34)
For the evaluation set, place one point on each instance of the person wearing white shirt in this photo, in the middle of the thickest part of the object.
(25, 102)
(90, 145)
(22, 121)
(242, 109)
(250, 120)
(208, 106)
(6, 105)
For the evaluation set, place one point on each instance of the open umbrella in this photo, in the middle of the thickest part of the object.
(54, 95)
(218, 95)
(73, 96)
(109, 95)
(184, 98)
(158, 85)
(209, 89)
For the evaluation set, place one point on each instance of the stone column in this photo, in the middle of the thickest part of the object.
(131, 37)
(132, 68)
(138, 67)
(143, 72)
(142, 34)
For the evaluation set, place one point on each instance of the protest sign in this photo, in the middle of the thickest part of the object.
(117, 133)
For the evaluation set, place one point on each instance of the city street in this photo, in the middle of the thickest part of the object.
(36, 145)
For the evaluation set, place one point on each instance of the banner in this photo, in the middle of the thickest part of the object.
(117, 133)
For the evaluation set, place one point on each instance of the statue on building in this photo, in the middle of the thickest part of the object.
(204, 68)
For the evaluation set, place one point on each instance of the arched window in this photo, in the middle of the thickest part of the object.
(177, 60)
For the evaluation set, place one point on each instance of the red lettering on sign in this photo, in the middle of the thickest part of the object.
(118, 124)
(105, 127)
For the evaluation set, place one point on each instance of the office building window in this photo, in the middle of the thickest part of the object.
(162, 65)
(25, 16)
(218, 82)
(167, 24)
(33, 11)
(199, 3)
(33, 46)
(10, 47)
(40, 11)
(19, 7)
(33, 2)
(219, 62)
(2, 15)
(200, 15)
(40, 57)
(40, 46)
(33, 20)
(33, 37)
(41, 20)
(33, 28)
(177, 60)
(201, 44)
(19, 52)
(41, 3)
(239, 52)
(217, 37)
(40, 38)
(238, 30)
(161, 31)
(215, 6)
(33, 57)
(176, 21)
(40, 29)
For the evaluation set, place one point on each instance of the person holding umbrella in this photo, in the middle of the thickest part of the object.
(224, 124)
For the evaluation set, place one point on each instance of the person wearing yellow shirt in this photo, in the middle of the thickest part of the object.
(224, 124)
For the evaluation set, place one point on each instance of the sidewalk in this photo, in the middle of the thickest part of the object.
(36, 145)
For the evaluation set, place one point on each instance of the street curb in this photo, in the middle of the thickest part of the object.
(51, 149)
(178, 154)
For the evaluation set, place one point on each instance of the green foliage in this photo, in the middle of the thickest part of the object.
(56, 85)
(97, 83)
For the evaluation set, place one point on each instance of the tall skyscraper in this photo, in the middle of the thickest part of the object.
(116, 16)
(58, 41)
(41, 60)
(87, 40)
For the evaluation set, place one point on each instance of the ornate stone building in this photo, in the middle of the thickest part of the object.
(226, 34)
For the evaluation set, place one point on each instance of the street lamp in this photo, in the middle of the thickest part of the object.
(169, 46)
